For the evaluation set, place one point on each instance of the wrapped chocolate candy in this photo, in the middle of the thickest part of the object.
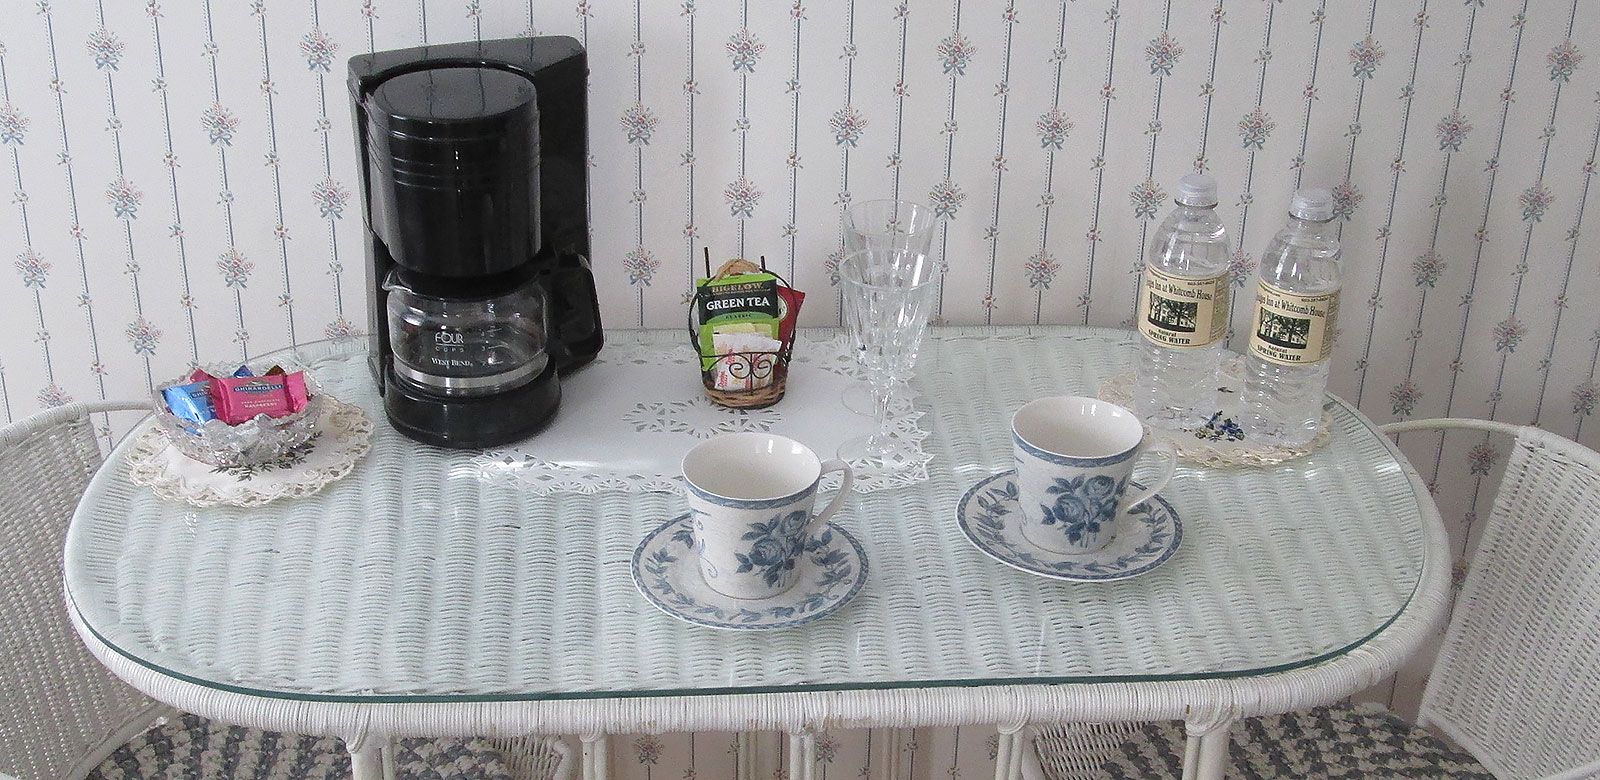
(238, 399)
(191, 402)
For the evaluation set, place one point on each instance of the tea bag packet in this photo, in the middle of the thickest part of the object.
(740, 316)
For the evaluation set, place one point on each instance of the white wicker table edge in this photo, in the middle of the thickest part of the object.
(1008, 706)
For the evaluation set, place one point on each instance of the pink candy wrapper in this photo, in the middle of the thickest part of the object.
(238, 399)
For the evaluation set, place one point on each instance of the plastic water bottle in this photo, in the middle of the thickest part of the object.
(1183, 311)
(1291, 336)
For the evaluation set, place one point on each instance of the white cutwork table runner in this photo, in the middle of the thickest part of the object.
(627, 418)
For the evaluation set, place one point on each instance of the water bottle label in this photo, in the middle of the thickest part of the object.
(1293, 329)
(1175, 311)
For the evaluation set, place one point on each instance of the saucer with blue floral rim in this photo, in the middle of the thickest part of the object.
(1147, 536)
(665, 568)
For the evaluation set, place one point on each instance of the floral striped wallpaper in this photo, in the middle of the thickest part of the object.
(183, 185)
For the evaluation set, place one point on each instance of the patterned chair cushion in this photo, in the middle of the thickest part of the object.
(1337, 742)
(193, 748)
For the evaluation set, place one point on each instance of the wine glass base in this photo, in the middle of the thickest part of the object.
(858, 399)
(879, 455)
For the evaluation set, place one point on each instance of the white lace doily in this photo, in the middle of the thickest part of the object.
(627, 419)
(1221, 441)
(342, 438)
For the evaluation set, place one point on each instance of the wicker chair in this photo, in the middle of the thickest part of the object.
(1517, 680)
(66, 718)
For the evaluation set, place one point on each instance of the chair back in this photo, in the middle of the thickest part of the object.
(62, 711)
(1517, 681)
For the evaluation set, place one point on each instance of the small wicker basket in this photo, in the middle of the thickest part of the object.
(771, 367)
(766, 372)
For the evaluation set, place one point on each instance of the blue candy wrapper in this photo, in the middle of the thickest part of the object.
(190, 402)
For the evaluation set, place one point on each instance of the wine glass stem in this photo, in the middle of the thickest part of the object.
(882, 394)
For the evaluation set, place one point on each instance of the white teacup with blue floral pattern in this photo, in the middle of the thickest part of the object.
(1074, 456)
(750, 500)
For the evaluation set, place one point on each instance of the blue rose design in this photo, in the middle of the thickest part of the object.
(768, 552)
(793, 523)
(1067, 510)
(775, 545)
(1100, 487)
(1081, 505)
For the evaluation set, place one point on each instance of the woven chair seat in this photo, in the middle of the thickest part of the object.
(1336, 742)
(192, 748)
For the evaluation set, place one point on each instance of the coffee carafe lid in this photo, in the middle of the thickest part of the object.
(453, 103)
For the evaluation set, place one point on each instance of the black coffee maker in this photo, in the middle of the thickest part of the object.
(476, 187)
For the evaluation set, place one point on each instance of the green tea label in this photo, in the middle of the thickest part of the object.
(1293, 329)
(1176, 311)
(737, 314)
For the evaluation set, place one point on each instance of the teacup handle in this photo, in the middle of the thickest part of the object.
(1166, 448)
(821, 518)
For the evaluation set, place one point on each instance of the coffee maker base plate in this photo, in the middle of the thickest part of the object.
(472, 423)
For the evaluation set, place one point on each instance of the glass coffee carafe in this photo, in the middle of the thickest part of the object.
(472, 345)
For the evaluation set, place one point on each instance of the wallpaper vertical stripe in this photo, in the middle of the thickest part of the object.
(182, 181)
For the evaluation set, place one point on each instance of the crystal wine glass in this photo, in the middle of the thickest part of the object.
(888, 294)
(885, 224)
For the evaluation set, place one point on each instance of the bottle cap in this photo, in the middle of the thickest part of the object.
(1197, 189)
(1312, 203)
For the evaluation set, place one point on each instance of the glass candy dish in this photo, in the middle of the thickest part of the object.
(255, 441)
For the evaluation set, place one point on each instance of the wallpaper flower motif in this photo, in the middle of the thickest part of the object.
(742, 196)
(124, 198)
(1428, 267)
(1255, 128)
(106, 48)
(1365, 56)
(638, 123)
(744, 50)
(847, 124)
(955, 53)
(143, 335)
(1148, 198)
(1053, 127)
(1346, 197)
(235, 268)
(946, 198)
(1041, 269)
(35, 271)
(1563, 61)
(331, 197)
(1453, 130)
(319, 49)
(1535, 201)
(1162, 53)
(220, 124)
(13, 125)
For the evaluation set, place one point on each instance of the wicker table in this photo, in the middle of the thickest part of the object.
(414, 598)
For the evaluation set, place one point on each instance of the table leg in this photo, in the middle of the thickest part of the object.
(1008, 753)
(371, 758)
(746, 756)
(1205, 756)
(595, 759)
(802, 756)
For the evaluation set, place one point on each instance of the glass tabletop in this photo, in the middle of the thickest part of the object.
(416, 579)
